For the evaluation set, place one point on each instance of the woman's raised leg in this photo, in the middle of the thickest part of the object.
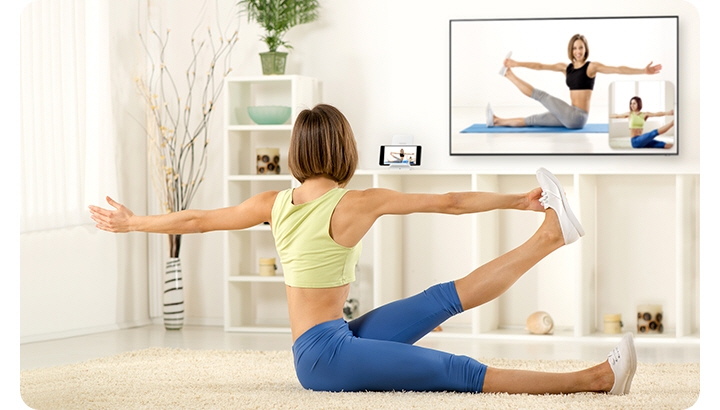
(559, 227)
(495, 277)
(521, 84)
(665, 128)
(526, 89)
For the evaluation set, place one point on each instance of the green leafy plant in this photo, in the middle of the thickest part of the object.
(279, 16)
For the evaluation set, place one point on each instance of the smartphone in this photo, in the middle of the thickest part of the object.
(400, 154)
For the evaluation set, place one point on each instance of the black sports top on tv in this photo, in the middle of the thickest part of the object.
(577, 79)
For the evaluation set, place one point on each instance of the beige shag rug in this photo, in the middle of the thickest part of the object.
(164, 378)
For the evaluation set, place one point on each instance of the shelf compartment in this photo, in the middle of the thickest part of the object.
(256, 304)
(241, 151)
(296, 92)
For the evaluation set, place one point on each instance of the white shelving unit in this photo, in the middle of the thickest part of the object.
(253, 302)
(641, 244)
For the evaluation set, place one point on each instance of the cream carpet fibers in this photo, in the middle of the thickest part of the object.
(164, 378)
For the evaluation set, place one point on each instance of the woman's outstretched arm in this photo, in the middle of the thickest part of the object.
(389, 202)
(660, 113)
(251, 212)
(596, 67)
(358, 211)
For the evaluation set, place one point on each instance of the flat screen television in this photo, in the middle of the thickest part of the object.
(492, 113)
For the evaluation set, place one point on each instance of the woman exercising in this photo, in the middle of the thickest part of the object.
(580, 78)
(318, 229)
(636, 120)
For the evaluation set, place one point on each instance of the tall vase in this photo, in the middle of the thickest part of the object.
(173, 300)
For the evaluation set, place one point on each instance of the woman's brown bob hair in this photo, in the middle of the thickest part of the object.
(322, 143)
(572, 41)
(638, 100)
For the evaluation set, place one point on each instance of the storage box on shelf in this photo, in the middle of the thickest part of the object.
(254, 302)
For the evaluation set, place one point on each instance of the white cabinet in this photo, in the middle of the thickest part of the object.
(641, 244)
(641, 247)
(254, 302)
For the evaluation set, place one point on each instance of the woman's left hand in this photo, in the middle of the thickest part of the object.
(653, 69)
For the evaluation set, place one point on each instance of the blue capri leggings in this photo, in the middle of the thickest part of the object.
(375, 352)
(647, 140)
(560, 113)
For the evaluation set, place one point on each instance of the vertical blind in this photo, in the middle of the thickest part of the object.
(67, 141)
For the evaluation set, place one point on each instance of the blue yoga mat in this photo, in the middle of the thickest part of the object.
(484, 129)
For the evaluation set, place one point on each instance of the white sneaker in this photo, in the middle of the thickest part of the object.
(503, 70)
(489, 117)
(553, 196)
(623, 362)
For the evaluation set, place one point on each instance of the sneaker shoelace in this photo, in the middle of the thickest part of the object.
(544, 199)
(614, 356)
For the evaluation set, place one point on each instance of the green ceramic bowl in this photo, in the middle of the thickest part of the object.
(269, 115)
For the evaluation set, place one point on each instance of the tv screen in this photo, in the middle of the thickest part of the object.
(514, 89)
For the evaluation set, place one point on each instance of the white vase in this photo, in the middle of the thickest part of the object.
(173, 300)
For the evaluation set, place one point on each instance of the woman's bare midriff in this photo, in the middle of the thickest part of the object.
(634, 132)
(309, 307)
(581, 99)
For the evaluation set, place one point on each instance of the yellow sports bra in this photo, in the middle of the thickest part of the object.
(637, 120)
(310, 257)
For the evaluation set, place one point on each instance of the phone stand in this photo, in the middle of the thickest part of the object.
(405, 167)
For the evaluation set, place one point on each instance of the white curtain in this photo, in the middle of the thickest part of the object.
(67, 140)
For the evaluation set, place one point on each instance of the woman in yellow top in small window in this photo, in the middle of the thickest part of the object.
(636, 120)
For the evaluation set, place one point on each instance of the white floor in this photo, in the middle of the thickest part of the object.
(82, 348)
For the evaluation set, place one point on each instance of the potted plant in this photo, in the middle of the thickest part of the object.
(277, 17)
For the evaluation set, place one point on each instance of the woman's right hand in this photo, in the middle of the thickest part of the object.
(532, 200)
(112, 221)
(509, 62)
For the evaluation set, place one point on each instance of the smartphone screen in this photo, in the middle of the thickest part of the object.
(400, 154)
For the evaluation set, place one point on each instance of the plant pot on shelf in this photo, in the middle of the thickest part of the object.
(273, 62)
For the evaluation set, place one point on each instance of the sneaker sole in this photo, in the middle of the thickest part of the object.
(503, 70)
(628, 382)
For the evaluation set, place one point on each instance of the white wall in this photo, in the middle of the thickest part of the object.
(385, 65)
(79, 280)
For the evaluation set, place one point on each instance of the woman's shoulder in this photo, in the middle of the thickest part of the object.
(370, 196)
(268, 198)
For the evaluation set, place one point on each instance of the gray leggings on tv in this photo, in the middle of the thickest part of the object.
(560, 113)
